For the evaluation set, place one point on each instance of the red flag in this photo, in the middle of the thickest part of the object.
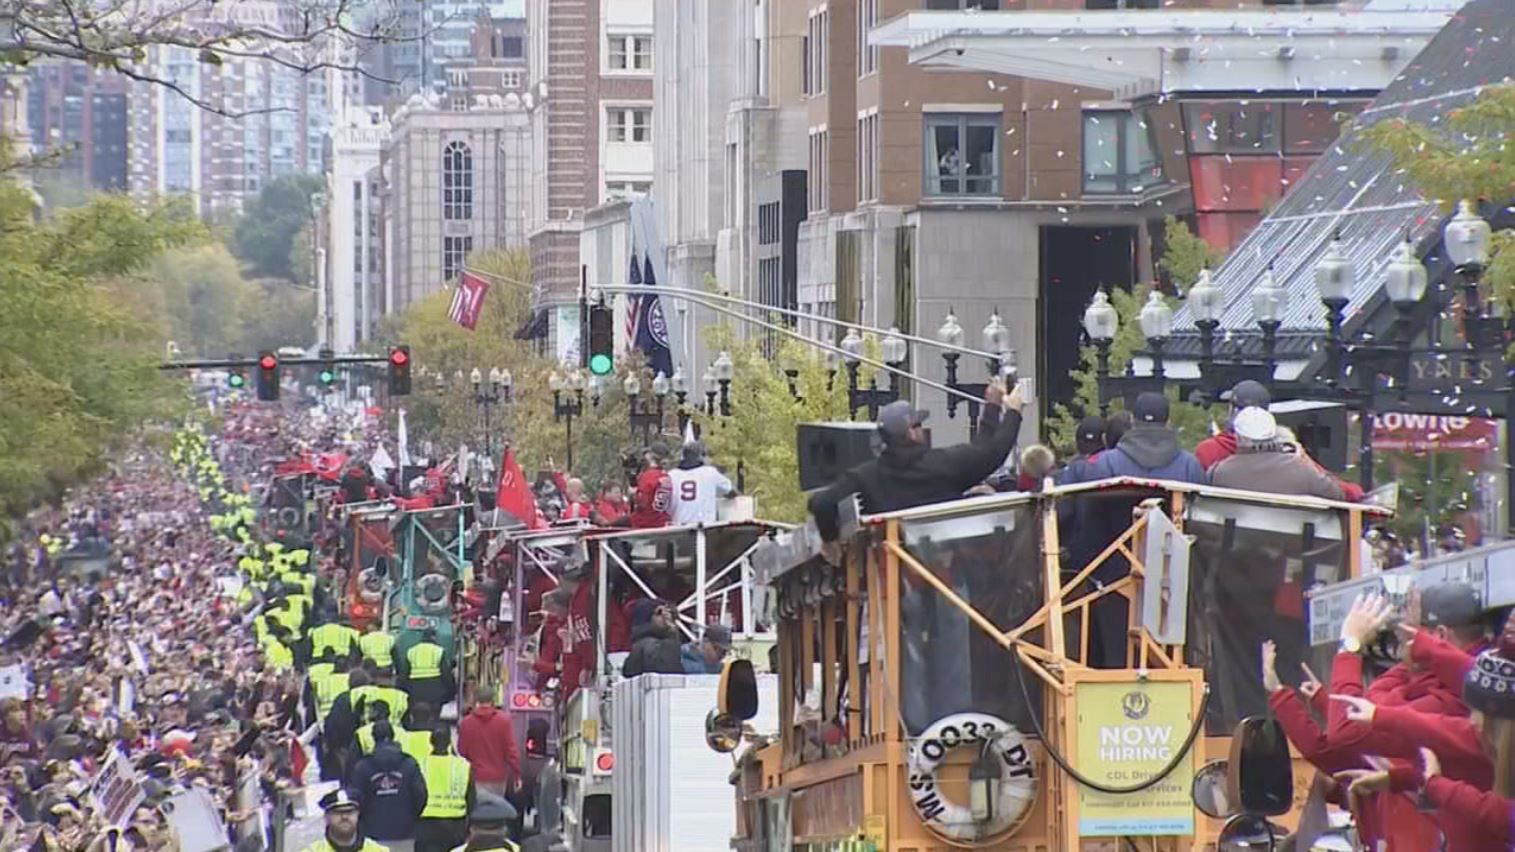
(468, 300)
(514, 495)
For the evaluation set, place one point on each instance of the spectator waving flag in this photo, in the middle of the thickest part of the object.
(651, 326)
(468, 300)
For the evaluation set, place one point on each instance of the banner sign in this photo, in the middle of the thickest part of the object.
(115, 792)
(1425, 432)
(1126, 733)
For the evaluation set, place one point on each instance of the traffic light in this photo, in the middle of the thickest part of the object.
(327, 375)
(268, 376)
(399, 371)
(601, 340)
(235, 379)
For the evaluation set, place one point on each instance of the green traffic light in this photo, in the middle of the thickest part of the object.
(600, 365)
(236, 380)
(327, 377)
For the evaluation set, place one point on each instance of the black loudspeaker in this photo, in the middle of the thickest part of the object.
(827, 449)
(1321, 428)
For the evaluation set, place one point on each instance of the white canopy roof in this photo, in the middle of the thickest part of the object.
(1148, 52)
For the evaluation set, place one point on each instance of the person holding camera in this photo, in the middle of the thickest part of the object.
(910, 473)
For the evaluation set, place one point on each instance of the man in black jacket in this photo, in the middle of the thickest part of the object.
(909, 473)
(655, 646)
(390, 789)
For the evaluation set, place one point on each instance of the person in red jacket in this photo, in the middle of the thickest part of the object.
(576, 577)
(654, 492)
(611, 509)
(549, 656)
(487, 740)
(1475, 796)
(1451, 620)
(576, 506)
(1217, 448)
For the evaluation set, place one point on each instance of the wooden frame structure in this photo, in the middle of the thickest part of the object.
(840, 635)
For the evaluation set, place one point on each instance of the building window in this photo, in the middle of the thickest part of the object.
(1119, 157)
(807, 85)
(628, 125)
(511, 80)
(512, 47)
(625, 190)
(457, 181)
(1232, 128)
(630, 52)
(962, 5)
(867, 19)
(962, 154)
(816, 35)
(820, 147)
(867, 158)
(768, 223)
(455, 251)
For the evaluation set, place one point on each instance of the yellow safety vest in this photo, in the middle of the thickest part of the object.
(447, 778)
(365, 738)
(328, 689)
(279, 656)
(368, 846)
(337, 638)
(425, 659)
(397, 700)
(379, 647)
(417, 744)
(317, 671)
(508, 847)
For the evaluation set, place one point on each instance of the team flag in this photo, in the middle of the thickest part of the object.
(468, 300)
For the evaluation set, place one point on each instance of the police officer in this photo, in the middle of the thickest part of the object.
(449, 796)
(487, 826)
(332, 639)
(424, 672)
(342, 832)
(377, 646)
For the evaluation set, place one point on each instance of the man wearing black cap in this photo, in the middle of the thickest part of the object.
(655, 647)
(1150, 449)
(910, 473)
(489, 826)
(342, 831)
(1246, 394)
(1089, 441)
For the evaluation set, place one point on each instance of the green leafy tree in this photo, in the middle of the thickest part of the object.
(265, 237)
(78, 349)
(1434, 487)
(1185, 253)
(761, 432)
(1468, 155)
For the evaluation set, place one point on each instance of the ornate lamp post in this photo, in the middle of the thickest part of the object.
(567, 403)
(486, 398)
(1204, 301)
(1156, 320)
(724, 370)
(1334, 281)
(680, 386)
(1268, 302)
(645, 416)
(1101, 322)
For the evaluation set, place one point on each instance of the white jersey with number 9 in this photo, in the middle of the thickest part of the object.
(695, 492)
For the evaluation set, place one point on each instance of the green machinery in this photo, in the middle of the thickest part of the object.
(431, 548)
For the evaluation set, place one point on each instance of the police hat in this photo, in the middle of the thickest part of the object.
(489, 809)
(338, 800)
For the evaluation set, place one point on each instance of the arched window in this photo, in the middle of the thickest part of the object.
(457, 181)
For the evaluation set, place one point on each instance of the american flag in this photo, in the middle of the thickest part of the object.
(632, 301)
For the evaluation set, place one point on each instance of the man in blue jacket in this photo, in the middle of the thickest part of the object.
(391, 791)
(1148, 450)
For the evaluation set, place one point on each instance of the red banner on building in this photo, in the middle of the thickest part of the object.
(1425, 432)
(468, 300)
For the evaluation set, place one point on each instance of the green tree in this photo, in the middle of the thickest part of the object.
(765, 416)
(1434, 488)
(1468, 155)
(78, 349)
(1185, 254)
(264, 238)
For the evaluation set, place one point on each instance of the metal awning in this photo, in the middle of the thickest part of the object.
(1149, 52)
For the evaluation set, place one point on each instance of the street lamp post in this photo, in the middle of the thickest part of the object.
(646, 416)
(567, 403)
(680, 386)
(486, 398)
(895, 351)
(1268, 302)
(1100, 323)
(996, 341)
(724, 370)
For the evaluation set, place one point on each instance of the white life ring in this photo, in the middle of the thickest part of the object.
(1017, 774)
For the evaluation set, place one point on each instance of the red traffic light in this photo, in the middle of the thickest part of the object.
(268, 362)
(398, 357)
